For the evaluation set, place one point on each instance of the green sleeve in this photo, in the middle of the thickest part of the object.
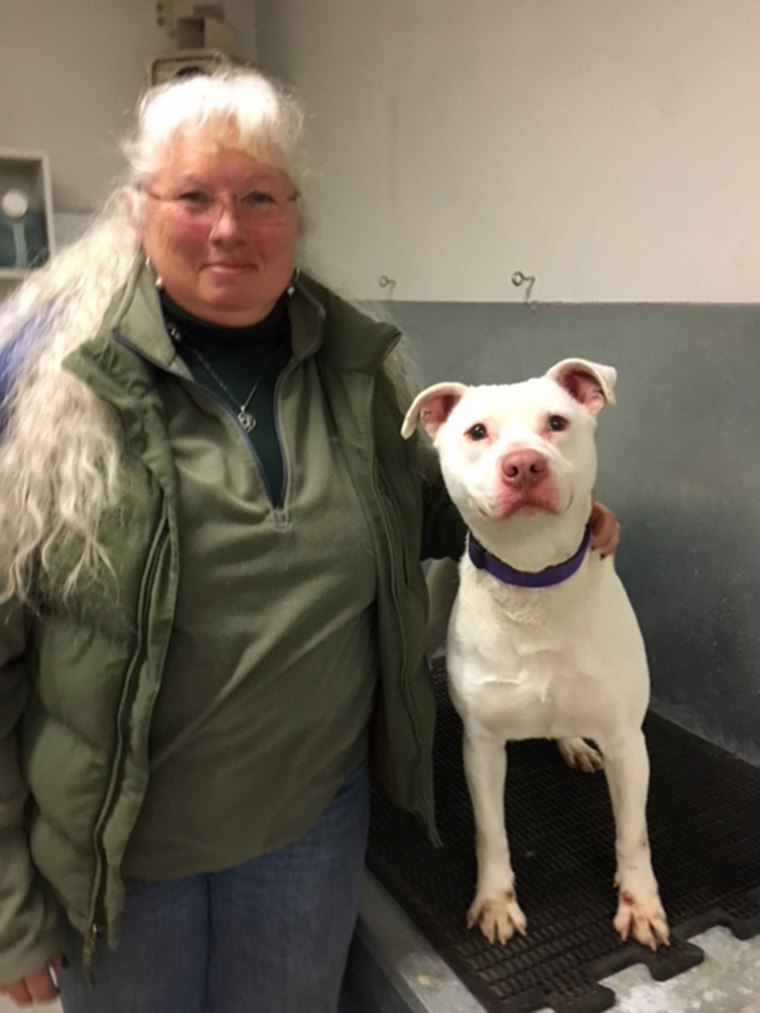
(443, 532)
(30, 922)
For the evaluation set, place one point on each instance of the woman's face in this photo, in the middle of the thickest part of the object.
(220, 231)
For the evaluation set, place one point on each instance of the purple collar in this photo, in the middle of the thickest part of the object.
(483, 560)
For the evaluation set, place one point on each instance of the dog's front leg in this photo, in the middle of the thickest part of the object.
(640, 912)
(495, 909)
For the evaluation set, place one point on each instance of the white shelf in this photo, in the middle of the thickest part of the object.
(26, 242)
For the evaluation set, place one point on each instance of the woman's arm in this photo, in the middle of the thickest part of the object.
(443, 530)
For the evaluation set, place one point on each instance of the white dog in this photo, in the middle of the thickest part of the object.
(542, 640)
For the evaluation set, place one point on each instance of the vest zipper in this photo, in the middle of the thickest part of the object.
(98, 922)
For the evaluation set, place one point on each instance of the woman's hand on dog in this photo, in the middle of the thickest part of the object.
(605, 529)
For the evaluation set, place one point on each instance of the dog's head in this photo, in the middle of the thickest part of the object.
(521, 449)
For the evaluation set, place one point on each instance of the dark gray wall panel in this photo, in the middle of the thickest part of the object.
(678, 463)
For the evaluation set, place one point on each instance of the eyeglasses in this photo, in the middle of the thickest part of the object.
(259, 205)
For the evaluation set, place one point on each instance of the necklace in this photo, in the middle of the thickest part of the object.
(244, 417)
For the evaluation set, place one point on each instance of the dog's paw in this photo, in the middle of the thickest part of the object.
(643, 918)
(498, 918)
(579, 755)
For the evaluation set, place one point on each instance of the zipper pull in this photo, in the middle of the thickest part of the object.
(95, 932)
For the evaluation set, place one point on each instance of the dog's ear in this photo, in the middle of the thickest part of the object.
(432, 407)
(588, 382)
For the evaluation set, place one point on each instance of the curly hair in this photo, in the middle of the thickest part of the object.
(60, 445)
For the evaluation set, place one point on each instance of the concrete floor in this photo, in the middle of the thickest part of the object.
(728, 981)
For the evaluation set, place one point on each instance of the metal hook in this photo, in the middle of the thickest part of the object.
(519, 278)
(385, 282)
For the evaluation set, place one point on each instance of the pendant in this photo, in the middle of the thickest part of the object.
(246, 420)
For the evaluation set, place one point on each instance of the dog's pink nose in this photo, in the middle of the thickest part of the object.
(523, 468)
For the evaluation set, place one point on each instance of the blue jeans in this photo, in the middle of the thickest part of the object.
(270, 936)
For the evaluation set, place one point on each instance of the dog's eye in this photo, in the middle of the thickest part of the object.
(477, 432)
(557, 423)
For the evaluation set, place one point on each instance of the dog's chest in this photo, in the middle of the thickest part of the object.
(522, 666)
(538, 694)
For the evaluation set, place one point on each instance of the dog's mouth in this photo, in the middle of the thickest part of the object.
(525, 503)
(501, 511)
(496, 500)
(529, 509)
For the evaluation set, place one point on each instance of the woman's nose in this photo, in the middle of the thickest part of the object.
(227, 224)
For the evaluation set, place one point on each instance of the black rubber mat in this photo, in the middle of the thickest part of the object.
(704, 827)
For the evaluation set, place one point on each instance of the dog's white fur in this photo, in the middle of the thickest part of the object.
(565, 662)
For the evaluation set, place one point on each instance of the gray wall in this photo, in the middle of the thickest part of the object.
(679, 465)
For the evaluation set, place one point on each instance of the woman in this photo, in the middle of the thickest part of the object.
(211, 531)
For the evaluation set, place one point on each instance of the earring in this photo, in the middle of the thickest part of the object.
(159, 281)
(292, 284)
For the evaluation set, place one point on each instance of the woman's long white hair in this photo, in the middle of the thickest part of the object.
(60, 446)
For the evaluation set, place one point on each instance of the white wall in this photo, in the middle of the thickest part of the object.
(610, 148)
(70, 74)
